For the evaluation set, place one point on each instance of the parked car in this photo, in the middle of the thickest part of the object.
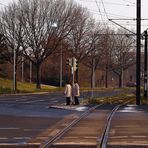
(131, 84)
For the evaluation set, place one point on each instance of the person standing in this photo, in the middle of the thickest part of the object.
(67, 93)
(76, 93)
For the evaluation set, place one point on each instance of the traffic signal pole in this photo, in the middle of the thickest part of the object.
(138, 57)
(145, 65)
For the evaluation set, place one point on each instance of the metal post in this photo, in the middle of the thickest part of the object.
(73, 72)
(30, 71)
(145, 65)
(61, 66)
(22, 68)
(138, 57)
(14, 70)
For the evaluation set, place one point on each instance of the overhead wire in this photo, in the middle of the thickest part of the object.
(110, 3)
(99, 9)
(129, 2)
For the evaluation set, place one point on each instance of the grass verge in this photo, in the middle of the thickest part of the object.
(6, 86)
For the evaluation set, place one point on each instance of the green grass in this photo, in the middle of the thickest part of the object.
(118, 99)
(6, 86)
(115, 99)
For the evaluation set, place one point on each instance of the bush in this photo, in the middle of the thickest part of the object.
(52, 81)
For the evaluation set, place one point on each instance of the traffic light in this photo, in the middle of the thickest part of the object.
(69, 61)
(75, 64)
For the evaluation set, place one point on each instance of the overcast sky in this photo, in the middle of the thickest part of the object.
(102, 10)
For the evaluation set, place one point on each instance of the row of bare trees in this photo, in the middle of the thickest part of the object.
(36, 28)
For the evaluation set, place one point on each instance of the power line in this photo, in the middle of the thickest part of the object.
(99, 9)
(129, 2)
(110, 3)
(111, 14)
(104, 9)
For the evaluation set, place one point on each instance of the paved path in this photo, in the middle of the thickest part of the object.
(129, 127)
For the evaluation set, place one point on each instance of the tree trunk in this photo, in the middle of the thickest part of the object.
(15, 78)
(120, 81)
(38, 85)
(93, 74)
(106, 76)
(91, 77)
(77, 75)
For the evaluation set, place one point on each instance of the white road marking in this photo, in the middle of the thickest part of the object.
(138, 136)
(9, 128)
(3, 138)
(118, 137)
(33, 129)
(34, 101)
(19, 138)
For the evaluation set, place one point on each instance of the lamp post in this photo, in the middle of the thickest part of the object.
(22, 62)
(30, 71)
(61, 66)
(14, 69)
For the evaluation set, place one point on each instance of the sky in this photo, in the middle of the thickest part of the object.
(117, 10)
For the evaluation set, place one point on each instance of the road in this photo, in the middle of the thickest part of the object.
(24, 116)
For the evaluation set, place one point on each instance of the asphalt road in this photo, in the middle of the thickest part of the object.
(24, 116)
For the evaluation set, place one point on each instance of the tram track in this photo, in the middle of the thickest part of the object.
(78, 139)
(63, 131)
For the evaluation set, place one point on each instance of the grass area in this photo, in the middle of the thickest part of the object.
(118, 99)
(6, 86)
(115, 99)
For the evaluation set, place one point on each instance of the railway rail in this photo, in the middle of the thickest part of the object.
(89, 130)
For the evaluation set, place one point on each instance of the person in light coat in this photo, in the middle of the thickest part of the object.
(68, 93)
(76, 93)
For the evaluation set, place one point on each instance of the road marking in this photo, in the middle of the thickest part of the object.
(21, 100)
(54, 101)
(118, 137)
(34, 101)
(9, 128)
(31, 102)
(45, 137)
(19, 138)
(138, 136)
(3, 138)
(34, 129)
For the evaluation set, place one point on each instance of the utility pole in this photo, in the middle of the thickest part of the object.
(61, 66)
(138, 57)
(14, 70)
(145, 65)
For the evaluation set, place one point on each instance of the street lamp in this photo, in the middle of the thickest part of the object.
(30, 71)
(54, 25)
(22, 62)
(14, 69)
(61, 66)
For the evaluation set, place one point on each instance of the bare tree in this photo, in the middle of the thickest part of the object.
(46, 23)
(78, 39)
(11, 28)
(107, 45)
(95, 55)
(124, 56)
(3, 47)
